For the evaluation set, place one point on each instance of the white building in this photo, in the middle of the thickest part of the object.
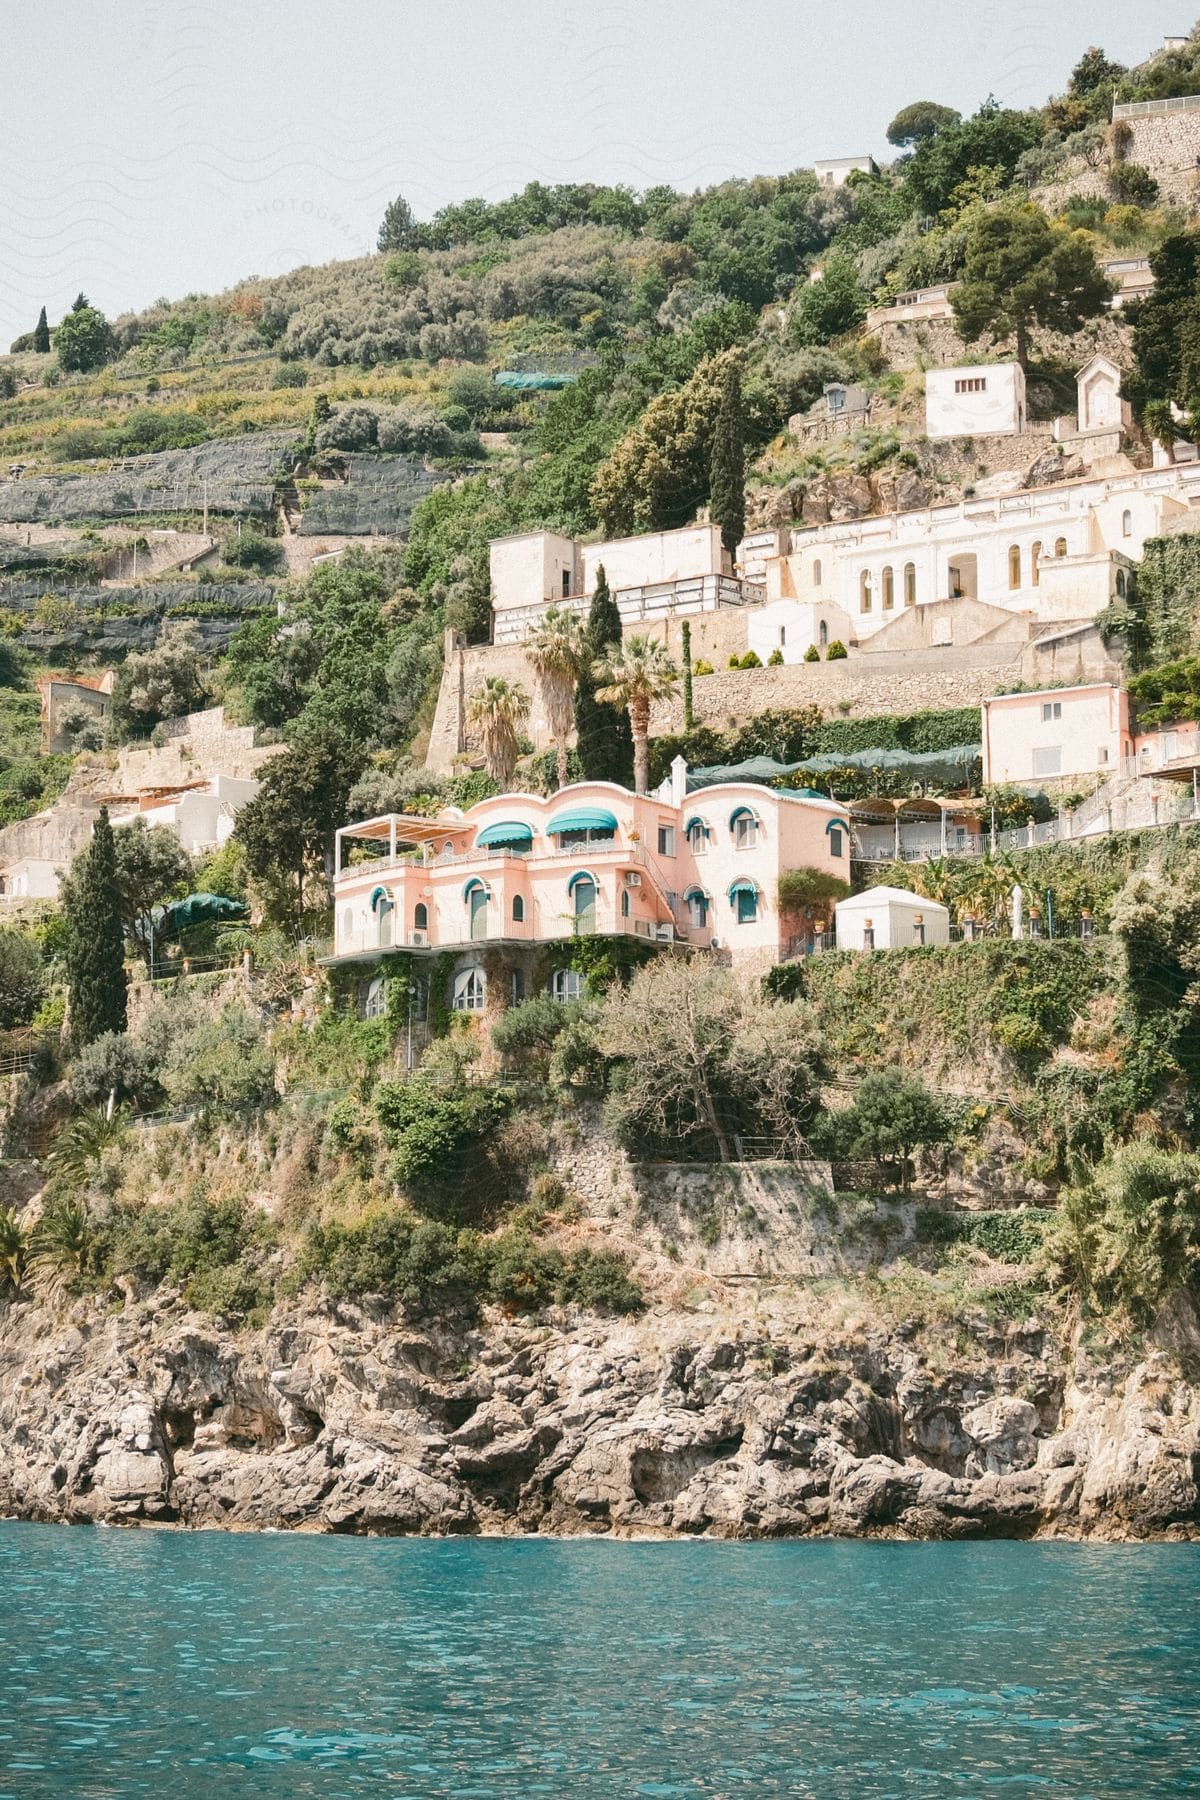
(887, 918)
(835, 171)
(202, 818)
(983, 400)
(1100, 406)
(1052, 554)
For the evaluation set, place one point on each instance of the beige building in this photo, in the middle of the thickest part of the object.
(1056, 734)
(835, 171)
(981, 400)
(1053, 554)
(652, 576)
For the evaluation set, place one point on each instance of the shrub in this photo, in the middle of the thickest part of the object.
(836, 652)
(751, 660)
(702, 667)
(390, 1252)
(1130, 1238)
(1132, 185)
(775, 660)
(22, 979)
(290, 375)
(1012, 1237)
(599, 1281)
(112, 1064)
(203, 1245)
(221, 1061)
(812, 654)
(251, 550)
(533, 1026)
(433, 1131)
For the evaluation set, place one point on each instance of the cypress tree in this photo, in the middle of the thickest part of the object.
(689, 716)
(605, 742)
(727, 469)
(95, 950)
(41, 334)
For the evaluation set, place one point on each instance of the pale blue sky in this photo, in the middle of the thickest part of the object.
(154, 147)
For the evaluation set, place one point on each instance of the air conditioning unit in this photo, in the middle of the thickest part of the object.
(416, 937)
(632, 878)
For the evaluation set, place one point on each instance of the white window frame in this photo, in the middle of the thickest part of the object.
(745, 832)
(567, 985)
(666, 840)
(470, 990)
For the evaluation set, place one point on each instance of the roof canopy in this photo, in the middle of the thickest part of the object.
(583, 818)
(510, 831)
(891, 896)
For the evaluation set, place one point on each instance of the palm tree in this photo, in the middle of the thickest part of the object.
(62, 1241)
(496, 712)
(636, 673)
(83, 1141)
(12, 1248)
(557, 653)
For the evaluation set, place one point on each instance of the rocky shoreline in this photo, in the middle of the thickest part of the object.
(745, 1420)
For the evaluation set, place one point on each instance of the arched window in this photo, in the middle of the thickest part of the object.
(470, 990)
(566, 984)
(864, 591)
(889, 589)
(697, 905)
(836, 840)
(1122, 585)
(823, 634)
(1014, 567)
(518, 909)
(817, 572)
(1127, 523)
(744, 826)
(697, 837)
(743, 897)
(1035, 564)
(625, 907)
(910, 584)
(1060, 547)
(420, 916)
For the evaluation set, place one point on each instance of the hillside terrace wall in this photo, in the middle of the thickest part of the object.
(863, 685)
(1166, 143)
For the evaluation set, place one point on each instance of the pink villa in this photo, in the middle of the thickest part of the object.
(521, 872)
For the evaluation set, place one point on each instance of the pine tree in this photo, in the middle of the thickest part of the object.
(727, 470)
(605, 741)
(41, 334)
(95, 951)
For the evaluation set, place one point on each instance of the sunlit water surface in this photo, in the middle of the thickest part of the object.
(177, 1665)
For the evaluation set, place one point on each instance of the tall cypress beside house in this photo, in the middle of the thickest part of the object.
(41, 334)
(727, 469)
(605, 742)
(95, 951)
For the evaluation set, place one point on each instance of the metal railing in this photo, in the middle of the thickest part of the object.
(1141, 109)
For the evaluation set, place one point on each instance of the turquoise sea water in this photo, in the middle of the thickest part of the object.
(175, 1665)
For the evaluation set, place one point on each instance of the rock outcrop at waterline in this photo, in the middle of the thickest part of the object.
(680, 1423)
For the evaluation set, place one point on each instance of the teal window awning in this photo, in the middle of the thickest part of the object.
(742, 887)
(581, 875)
(836, 825)
(697, 893)
(508, 832)
(583, 818)
(695, 824)
(742, 812)
(379, 898)
(474, 886)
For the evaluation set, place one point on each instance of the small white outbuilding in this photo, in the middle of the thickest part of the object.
(888, 918)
